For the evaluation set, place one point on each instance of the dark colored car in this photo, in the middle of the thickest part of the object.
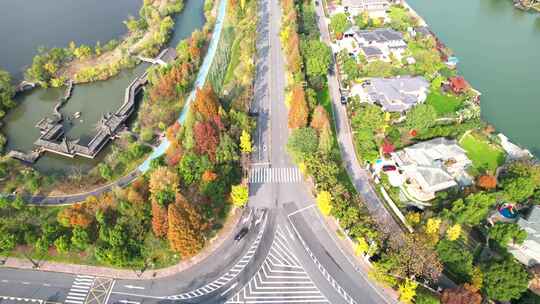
(343, 100)
(388, 168)
(317, 3)
(242, 233)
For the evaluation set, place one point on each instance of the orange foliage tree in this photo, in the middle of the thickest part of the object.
(207, 139)
(77, 215)
(320, 119)
(206, 103)
(209, 176)
(159, 220)
(487, 182)
(465, 294)
(186, 228)
(298, 112)
(170, 85)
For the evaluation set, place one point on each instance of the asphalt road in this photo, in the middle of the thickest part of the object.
(287, 256)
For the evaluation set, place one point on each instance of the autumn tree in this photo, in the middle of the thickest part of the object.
(324, 202)
(245, 142)
(77, 215)
(464, 294)
(487, 182)
(186, 228)
(206, 103)
(160, 223)
(206, 139)
(239, 195)
(298, 112)
(320, 119)
(414, 258)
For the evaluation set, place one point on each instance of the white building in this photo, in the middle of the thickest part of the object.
(378, 44)
(432, 166)
(529, 252)
(398, 94)
(375, 8)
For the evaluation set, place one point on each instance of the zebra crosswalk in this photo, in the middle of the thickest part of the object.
(79, 289)
(281, 279)
(274, 175)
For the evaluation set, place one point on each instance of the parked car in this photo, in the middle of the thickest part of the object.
(241, 234)
(343, 100)
(388, 168)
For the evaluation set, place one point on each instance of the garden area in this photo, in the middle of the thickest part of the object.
(486, 156)
(444, 104)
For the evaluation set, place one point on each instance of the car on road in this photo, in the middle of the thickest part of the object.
(343, 100)
(388, 168)
(242, 233)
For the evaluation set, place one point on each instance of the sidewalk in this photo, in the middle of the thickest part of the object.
(116, 273)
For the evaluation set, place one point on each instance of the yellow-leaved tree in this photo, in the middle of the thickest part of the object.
(245, 142)
(324, 202)
(361, 247)
(239, 195)
(453, 233)
(407, 291)
(433, 224)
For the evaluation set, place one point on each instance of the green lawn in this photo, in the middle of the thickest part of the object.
(484, 155)
(444, 104)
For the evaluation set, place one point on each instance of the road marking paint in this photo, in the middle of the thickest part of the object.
(229, 289)
(133, 287)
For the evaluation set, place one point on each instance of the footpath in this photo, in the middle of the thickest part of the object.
(98, 271)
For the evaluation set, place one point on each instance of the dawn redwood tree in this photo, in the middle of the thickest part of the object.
(186, 228)
(298, 112)
(159, 220)
(206, 103)
(206, 139)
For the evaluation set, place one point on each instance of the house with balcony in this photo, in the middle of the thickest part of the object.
(387, 41)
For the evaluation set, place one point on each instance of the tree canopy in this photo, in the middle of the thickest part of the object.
(317, 56)
(505, 280)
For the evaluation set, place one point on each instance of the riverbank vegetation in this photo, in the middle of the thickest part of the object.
(7, 92)
(459, 233)
(174, 210)
(146, 35)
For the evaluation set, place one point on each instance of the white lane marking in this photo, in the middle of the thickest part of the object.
(133, 287)
(229, 289)
(74, 302)
(128, 302)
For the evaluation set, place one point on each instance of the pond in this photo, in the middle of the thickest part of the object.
(499, 51)
(92, 100)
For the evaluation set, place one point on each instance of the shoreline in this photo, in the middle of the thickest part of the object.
(147, 35)
(422, 22)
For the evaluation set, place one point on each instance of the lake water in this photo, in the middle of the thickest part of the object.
(26, 25)
(499, 51)
(92, 100)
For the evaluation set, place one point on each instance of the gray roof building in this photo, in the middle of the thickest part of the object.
(529, 252)
(397, 94)
(383, 35)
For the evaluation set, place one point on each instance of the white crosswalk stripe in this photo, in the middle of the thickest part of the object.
(281, 279)
(79, 289)
(274, 175)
